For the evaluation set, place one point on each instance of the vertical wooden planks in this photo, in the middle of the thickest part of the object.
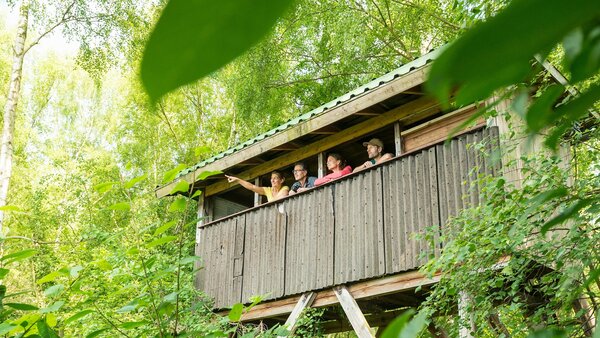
(359, 244)
(360, 227)
(309, 253)
(411, 206)
(217, 252)
(264, 253)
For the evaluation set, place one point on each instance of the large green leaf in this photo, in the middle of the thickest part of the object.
(236, 312)
(194, 38)
(54, 290)
(134, 181)
(17, 256)
(171, 174)
(78, 316)
(53, 308)
(181, 186)
(164, 227)
(160, 241)
(97, 332)
(122, 206)
(498, 52)
(21, 306)
(178, 204)
(6, 328)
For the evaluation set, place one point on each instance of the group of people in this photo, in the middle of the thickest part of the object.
(335, 164)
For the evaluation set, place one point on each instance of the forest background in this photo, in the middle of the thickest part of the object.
(87, 249)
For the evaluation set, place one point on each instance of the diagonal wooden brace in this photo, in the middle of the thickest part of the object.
(305, 301)
(355, 316)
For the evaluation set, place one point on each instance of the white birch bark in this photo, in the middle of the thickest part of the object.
(14, 89)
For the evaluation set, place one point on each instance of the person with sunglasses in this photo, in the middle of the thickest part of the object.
(303, 181)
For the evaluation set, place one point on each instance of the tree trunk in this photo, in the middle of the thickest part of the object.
(14, 89)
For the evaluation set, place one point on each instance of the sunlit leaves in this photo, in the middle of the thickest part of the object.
(193, 38)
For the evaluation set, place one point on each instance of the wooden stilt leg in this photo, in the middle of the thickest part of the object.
(304, 302)
(497, 325)
(466, 320)
(586, 316)
(436, 331)
(355, 316)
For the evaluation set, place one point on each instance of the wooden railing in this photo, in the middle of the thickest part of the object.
(360, 227)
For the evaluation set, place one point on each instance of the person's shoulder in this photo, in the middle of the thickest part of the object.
(285, 187)
(311, 179)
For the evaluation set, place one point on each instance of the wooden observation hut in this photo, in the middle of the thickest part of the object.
(350, 242)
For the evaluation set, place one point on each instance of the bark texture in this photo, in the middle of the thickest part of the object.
(14, 89)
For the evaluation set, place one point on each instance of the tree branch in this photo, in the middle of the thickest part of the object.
(63, 20)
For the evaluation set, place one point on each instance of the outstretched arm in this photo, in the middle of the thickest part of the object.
(246, 184)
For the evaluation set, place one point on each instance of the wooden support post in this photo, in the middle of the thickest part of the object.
(398, 138)
(436, 331)
(305, 301)
(586, 316)
(322, 165)
(466, 321)
(497, 325)
(355, 316)
(201, 214)
(257, 197)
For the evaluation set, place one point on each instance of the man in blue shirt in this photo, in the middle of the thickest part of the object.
(303, 181)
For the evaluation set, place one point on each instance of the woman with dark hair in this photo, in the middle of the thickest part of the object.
(276, 191)
(337, 165)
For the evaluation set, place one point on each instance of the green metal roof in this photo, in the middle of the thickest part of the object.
(402, 70)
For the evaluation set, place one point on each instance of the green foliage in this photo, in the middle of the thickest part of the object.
(189, 33)
(406, 325)
(511, 251)
(309, 323)
(473, 72)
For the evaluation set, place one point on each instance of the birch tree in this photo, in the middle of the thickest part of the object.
(103, 28)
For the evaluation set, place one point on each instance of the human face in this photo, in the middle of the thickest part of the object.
(299, 173)
(276, 181)
(373, 151)
(332, 163)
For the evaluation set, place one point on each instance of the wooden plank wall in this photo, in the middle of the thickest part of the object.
(264, 253)
(218, 253)
(358, 228)
(411, 205)
(358, 208)
(309, 262)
